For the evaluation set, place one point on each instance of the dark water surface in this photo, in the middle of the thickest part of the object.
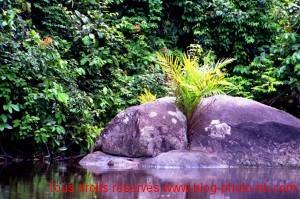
(35, 180)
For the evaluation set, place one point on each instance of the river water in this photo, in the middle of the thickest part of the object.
(42, 180)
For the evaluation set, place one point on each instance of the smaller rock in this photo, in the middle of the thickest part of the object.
(144, 131)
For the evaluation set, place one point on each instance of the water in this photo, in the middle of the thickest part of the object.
(35, 180)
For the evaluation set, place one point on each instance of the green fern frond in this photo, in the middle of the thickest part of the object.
(147, 96)
(191, 82)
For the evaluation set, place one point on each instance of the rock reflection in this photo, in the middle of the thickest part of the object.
(228, 179)
(31, 180)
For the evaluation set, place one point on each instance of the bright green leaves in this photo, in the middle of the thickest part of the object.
(57, 92)
(84, 60)
(297, 68)
(155, 8)
(7, 115)
(62, 97)
(63, 148)
(87, 40)
(10, 107)
(105, 91)
(60, 117)
(7, 18)
(4, 126)
(16, 123)
(60, 103)
(39, 78)
(242, 69)
(4, 123)
(4, 118)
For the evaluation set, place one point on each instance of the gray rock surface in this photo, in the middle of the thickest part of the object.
(226, 132)
(245, 132)
(102, 160)
(171, 159)
(184, 159)
(144, 131)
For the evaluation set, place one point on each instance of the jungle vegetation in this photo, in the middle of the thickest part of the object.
(68, 67)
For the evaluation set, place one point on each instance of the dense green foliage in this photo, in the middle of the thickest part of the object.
(274, 74)
(67, 67)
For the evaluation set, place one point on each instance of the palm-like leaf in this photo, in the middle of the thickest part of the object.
(192, 83)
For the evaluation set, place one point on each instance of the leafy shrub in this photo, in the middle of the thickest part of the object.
(235, 28)
(273, 75)
(67, 68)
(41, 102)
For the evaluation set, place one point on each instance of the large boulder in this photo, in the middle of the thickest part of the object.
(144, 131)
(245, 132)
(226, 132)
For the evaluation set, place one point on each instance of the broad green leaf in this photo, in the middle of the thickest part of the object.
(84, 60)
(104, 90)
(4, 23)
(16, 121)
(80, 71)
(5, 107)
(86, 40)
(15, 107)
(60, 130)
(56, 142)
(77, 13)
(57, 114)
(4, 118)
(28, 6)
(7, 126)
(2, 126)
(62, 97)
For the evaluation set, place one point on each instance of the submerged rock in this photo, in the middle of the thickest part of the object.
(171, 159)
(245, 132)
(144, 131)
(106, 161)
(184, 159)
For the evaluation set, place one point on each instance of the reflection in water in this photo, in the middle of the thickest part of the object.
(29, 180)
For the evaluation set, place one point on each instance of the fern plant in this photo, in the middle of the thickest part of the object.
(191, 82)
(147, 96)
